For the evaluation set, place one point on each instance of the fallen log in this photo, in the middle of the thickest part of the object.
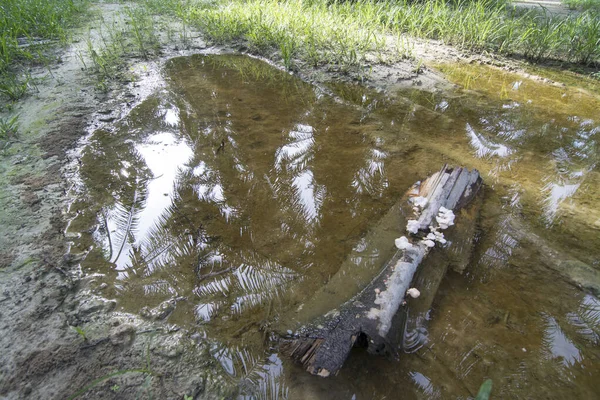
(432, 270)
(371, 317)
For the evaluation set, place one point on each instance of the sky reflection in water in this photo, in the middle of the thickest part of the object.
(243, 193)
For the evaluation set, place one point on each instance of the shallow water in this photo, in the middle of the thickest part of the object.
(238, 193)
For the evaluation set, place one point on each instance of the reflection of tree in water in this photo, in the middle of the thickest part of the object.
(253, 211)
(278, 189)
(586, 319)
(280, 198)
(516, 132)
(542, 150)
(569, 142)
(255, 377)
(227, 277)
(568, 347)
(115, 176)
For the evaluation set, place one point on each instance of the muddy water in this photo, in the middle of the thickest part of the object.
(226, 201)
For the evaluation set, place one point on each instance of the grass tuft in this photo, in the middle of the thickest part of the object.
(142, 30)
(9, 127)
(26, 28)
(13, 87)
(133, 33)
(315, 32)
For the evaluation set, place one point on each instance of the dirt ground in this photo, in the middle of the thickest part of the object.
(551, 6)
(59, 337)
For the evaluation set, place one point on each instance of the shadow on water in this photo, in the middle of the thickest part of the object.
(228, 200)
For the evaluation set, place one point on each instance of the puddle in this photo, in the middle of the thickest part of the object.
(238, 193)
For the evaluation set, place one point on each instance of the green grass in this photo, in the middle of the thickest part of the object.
(316, 32)
(141, 30)
(12, 86)
(26, 29)
(134, 33)
(172, 8)
(9, 127)
(582, 4)
(348, 33)
(163, 7)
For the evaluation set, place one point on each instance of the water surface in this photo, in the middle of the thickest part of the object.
(230, 198)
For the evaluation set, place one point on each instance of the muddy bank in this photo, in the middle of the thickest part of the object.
(60, 338)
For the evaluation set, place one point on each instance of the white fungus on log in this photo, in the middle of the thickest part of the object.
(412, 226)
(428, 243)
(419, 201)
(445, 218)
(402, 243)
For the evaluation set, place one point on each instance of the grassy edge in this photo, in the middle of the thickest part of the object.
(350, 33)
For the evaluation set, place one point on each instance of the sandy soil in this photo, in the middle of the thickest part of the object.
(550, 6)
(44, 296)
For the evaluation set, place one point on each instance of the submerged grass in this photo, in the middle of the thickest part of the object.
(26, 28)
(347, 32)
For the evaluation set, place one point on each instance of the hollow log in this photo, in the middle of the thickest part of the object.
(371, 318)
